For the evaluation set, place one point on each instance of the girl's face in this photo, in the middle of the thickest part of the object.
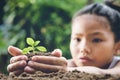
(92, 41)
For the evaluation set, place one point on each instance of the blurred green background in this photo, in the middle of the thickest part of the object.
(46, 20)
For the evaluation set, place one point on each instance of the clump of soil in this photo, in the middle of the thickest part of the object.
(60, 75)
(29, 55)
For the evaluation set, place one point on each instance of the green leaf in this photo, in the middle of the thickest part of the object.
(25, 51)
(30, 48)
(36, 43)
(41, 48)
(30, 41)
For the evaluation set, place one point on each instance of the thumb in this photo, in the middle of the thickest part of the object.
(14, 51)
(57, 53)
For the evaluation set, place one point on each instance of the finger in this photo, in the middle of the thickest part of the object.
(57, 53)
(30, 70)
(45, 67)
(50, 60)
(16, 66)
(17, 73)
(14, 51)
(18, 58)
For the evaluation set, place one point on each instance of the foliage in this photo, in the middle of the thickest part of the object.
(33, 45)
(35, 18)
(45, 20)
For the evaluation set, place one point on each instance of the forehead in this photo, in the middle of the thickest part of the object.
(90, 22)
(90, 18)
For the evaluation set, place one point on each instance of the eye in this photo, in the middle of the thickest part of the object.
(97, 40)
(77, 39)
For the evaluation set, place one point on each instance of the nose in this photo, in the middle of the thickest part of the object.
(84, 47)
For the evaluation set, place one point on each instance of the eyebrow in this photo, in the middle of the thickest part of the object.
(97, 33)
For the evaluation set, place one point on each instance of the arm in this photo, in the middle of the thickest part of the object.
(95, 70)
(114, 71)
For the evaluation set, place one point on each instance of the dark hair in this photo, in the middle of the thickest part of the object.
(110, 14)
(115, 4)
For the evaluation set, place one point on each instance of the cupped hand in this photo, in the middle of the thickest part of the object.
(48, 63)
(18, 63)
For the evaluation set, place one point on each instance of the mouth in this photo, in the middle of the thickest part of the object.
(85, 59)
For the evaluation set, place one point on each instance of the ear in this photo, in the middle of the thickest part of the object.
(117, 48)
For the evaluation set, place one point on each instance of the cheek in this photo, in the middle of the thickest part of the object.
(103, 51)
(73, 50)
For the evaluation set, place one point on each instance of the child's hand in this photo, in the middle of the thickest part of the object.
(48, 63)
(14, 51)
(18, 63)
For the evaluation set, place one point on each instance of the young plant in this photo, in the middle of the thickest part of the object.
(33, 46)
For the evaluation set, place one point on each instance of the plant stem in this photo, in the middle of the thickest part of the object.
(33, 49)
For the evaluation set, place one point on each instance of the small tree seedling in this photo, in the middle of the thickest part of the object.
(33, 47)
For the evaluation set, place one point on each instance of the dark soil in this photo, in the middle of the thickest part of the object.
(38, 53)
(60, 75)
